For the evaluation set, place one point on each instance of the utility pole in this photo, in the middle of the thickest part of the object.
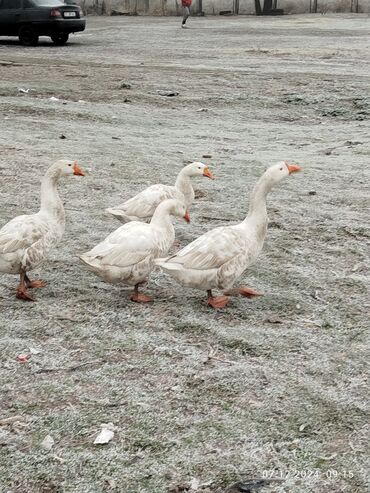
(354, 6)
(267, 6)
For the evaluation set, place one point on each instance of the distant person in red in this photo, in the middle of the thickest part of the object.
(185, 4)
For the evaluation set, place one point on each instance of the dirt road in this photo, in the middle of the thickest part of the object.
(270, 387)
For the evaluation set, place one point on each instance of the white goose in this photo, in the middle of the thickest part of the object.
(219, 257)
(127, 255)
(26, 240)
(142, 206)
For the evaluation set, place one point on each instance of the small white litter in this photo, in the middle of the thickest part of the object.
(106, 434)
(47, 443)
(194, 484)
(34, 351)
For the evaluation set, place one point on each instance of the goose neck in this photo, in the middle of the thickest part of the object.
(257, 205)
(50, 200)
(161, 218)
(183, 182)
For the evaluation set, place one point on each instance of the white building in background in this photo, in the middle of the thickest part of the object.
(214, 7)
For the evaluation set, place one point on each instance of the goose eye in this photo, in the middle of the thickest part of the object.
(281, 169)
(69, 164)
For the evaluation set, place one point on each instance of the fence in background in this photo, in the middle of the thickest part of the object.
(215, 7)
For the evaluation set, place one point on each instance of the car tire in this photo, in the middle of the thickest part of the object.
(60, 38)
(28, 35)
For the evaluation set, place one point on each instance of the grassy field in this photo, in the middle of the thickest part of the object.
(274, 387)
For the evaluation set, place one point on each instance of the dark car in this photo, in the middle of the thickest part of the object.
(29, 19)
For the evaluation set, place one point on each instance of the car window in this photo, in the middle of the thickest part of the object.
(27, 4)
(10, 4)
(48, 3)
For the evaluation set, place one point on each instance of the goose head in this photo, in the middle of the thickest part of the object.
(66, 167)
(175, 208)
(280, 170)
(198, 169)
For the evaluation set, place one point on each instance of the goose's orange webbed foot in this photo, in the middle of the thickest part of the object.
(243, 291)
(39, 283)
(140, 297)
(249, 292)
(217, 301)
(22, 294)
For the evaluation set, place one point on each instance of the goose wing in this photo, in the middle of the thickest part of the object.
(22, 232)
(210, 251)
(144, 203)
(126, 246)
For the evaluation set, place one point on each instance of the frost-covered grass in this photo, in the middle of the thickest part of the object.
(274, 386)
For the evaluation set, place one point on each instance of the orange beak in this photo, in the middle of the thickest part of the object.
(292, 168)
(187, 217)
(207, 173)
(77, 170)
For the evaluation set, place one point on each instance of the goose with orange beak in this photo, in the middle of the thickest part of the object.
(127, 255)
(142, 206)
(218, 258)
(26, 240)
